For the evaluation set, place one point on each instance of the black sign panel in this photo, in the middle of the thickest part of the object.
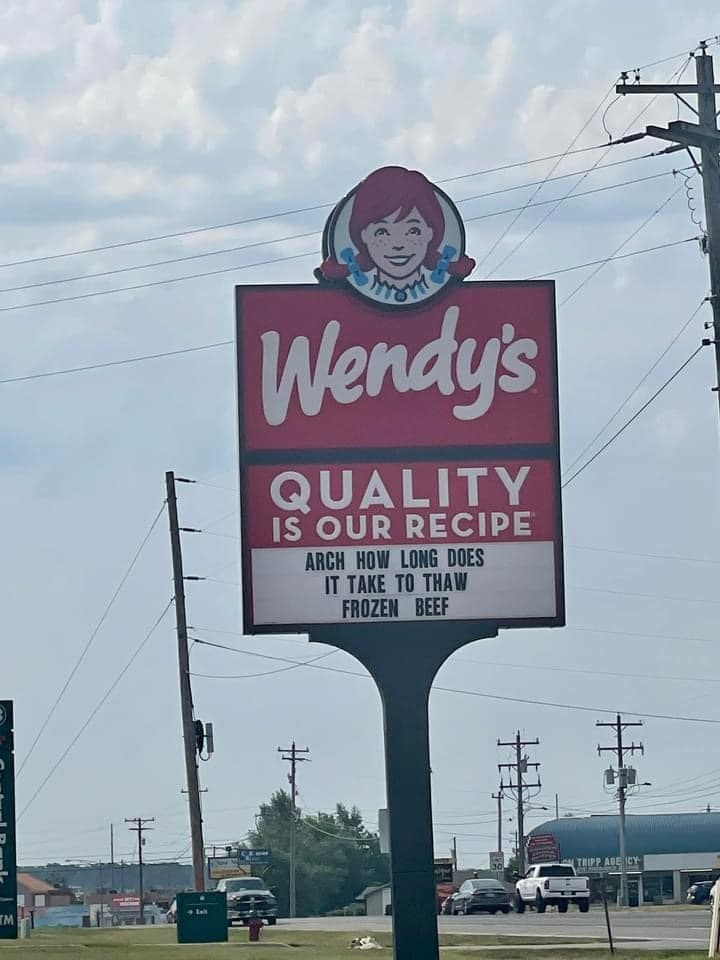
(8, 862)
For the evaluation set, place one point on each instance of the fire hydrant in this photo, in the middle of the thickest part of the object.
(255, 925)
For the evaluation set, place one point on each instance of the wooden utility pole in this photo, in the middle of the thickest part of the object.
(499, 796)
(186, 702)
(139, 828)
(521, 767)
(620, 750)
(704, 136)
(291, 754)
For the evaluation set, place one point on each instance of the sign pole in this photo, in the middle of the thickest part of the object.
(387, 655)
(8, 862)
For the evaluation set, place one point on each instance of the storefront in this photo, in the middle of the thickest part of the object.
(666, 853)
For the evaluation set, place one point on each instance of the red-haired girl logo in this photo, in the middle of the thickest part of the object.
(397, 239)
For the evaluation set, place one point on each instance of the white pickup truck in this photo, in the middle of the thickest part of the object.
(552, 883)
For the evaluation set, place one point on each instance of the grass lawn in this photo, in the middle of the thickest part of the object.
(132, 943)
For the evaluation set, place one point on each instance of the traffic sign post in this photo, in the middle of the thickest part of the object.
(8, 862)
(497, 861)
(202, 918)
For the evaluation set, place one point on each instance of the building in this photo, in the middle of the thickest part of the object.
(377, 900)
(665, 853)
(35, 894)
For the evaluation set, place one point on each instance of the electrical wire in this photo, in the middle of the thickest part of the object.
(648, 596)
(584, 176)
(98, 707)
(156, 283)
(277, 215)
(93, 635)
(625, 242)
(269, 673)
(645, 556)
(588, 446)
(469, 693)
(542, 183)
(312, 233)
(622, 256)
(623, 428)
(588, 672)
(247, 266)
(118, 363)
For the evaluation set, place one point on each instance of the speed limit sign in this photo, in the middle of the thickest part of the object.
(497, 860)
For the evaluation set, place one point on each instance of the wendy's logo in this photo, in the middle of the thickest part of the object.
(397, 239)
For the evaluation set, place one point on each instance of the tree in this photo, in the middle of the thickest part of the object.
(337, 857)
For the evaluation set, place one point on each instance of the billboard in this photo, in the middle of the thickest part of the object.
(398, 429)
(8, 862)
(542, 848)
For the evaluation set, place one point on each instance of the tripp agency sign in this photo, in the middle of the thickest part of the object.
(8, 861)
(399, 448)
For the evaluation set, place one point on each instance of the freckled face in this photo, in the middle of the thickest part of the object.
(398, 247)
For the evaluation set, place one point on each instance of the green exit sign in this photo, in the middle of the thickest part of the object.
(202, 918)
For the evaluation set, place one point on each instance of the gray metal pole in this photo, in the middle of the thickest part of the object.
(186, 703)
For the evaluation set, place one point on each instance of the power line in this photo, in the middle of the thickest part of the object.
(604, 260)
(97, 708)
(469, 693)
(649, 596)
(94, 634)
(632, 419)
(156, 283)
(646, 556)
(315, 233)
(542, 183)
(552, 210)
(277, 215)
(625, 242)
(593, 672)
(637, 386)
(118, 363)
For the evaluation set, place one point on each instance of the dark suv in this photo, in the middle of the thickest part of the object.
(700, 892)
(248, 897)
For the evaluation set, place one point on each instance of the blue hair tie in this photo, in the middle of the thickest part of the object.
(438, 274)
(349, 257)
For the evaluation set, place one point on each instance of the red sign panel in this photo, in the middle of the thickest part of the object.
(323, 370)
(543, 848)
(399, 464)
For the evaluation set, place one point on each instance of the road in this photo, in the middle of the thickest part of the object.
(652, 927)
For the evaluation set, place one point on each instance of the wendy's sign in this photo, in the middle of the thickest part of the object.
(398, 429)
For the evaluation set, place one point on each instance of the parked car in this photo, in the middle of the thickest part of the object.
(481, 896)
(700, 892)
(550, 884)
(248, 897)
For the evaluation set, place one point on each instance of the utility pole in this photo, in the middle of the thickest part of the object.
(499, 796)
(139, 828)
(703, 135)
(291, 754)
(620, 750)
(186, 702)
(112, 857)
(520, 787)
(557, 807)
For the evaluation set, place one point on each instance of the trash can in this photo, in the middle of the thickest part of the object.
(202, 918)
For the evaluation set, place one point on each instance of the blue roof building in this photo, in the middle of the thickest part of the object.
(666, 852)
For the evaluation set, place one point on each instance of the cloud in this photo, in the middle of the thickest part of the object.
(418, 106)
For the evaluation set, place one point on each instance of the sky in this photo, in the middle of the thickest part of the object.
(122, 121)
